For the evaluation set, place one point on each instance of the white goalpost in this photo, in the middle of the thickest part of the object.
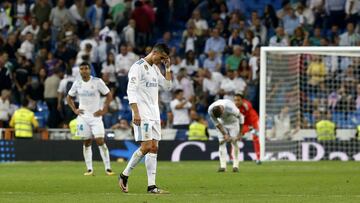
(300, 86)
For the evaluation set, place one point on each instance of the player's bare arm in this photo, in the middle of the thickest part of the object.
(136, 116)
(106, 106)
(166, 62)
(223, 132)
(71, 103)
(60, 96)
(240, 135)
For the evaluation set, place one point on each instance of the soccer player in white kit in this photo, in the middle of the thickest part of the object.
(228, 120)
(143, 94)
(89, 115)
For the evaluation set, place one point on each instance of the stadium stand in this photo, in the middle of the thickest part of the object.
(38, 37)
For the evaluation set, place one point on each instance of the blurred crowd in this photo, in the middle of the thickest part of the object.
(215, 49)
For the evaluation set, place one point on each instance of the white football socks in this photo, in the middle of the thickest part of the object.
(151, 163)
(104, 152)
(87, 152)
(235, 148)
(222, 155)
(135, 159)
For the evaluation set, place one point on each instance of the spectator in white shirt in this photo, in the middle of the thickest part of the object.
(64, 87)
(86, 52)
(180, 110)
(123, 62)
(182, 81)
(130, 52)
(349, 38)
(108, 67)
(231, 84)
(211, 84)
(212, 63)
(305, 15)
(190, 62)
(33, 28)
(254, 62)
(27, 47)
(259, 30)
(201, 26)
(4, 108)
(128, 33)
(93, 39)
(77, 10)
(280, 39)
(189, 39)
(175, 64)
(109, 31)
(282, 126)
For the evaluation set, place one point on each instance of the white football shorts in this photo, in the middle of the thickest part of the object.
(88, 127)
(232, 130)
(148, 130)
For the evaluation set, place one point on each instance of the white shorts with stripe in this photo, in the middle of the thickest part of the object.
(148, 130)
(88, 127)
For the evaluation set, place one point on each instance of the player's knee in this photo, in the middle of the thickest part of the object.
(100, 142)
(87, 143)
(153, 149)
(145, 148)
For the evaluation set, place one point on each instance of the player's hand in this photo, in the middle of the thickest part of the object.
(78, 111)
(238, 137)
(226, 137)
(166, 62)
(100, 113)
(137, 119)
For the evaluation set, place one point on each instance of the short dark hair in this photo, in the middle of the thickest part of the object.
(178, 91)
(239, 94)
(162, 47)
(217, 111)
(88, 46)
(108, 39)
(138, 4)
(24, 102)
(84, 64)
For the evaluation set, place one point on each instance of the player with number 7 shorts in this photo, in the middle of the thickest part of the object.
(145, 78)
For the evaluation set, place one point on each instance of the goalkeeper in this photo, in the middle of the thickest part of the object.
(251, 123)
(228, 120)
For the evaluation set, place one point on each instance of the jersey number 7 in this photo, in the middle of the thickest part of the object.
(146, 126)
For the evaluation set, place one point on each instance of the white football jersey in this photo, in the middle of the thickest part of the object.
(89, 94)
(231, 113)
(143, 88)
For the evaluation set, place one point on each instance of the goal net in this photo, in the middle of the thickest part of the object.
(301, 86)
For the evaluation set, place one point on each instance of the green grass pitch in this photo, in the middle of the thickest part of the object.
(187, 181)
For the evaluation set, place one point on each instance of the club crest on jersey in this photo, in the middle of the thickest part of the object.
(146, 67)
